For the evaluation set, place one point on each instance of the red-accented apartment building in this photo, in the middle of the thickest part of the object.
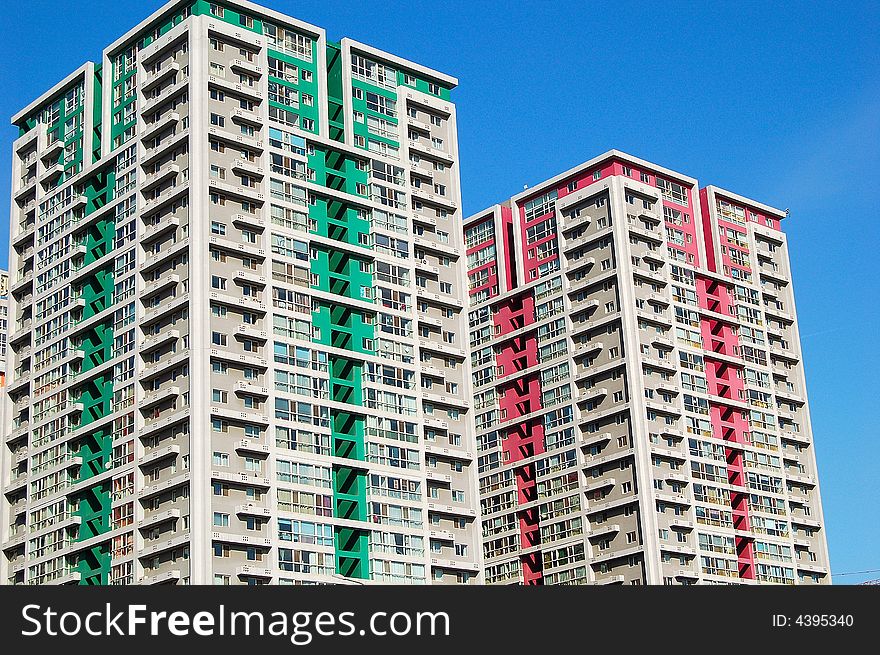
(640, 400)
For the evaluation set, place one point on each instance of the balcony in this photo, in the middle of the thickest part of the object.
(658, 299)
(801, 479)
(436, 246)
(442, 299)
(612, 579)
(601, 530)
(577, 263)
(248, 479)
(666, 387)
(167, 70)
(152, 427)
(422, 147)
(248, 117)
(152, 129)
(168, 196)
(165, 308)
(665, 364)
(435, 198)
(681, 549)
(16, 483)
(250, 92)
(671, 497)
(771, 310)
(663, 408)
(651, 218)
(648, 235)
(249, 277)
(151, 549)
(245, 166)
(153, 260)
(247, 571)
(161, 487)
(235, 415)
(158, 455)
(22, 282)
(790, 395)
(251, 509)
(27, 186)
(681, 524)
(157, 151)
(157, 286)
(794, 437)
(245, 387)
(169, 577)
(236, 247)
(592, 394)
(450, 509)
(454, 564)
(583, 349)
(423, 220)
(24, 233)
(654, 256)
(601, 484)
(21, 333)
(164, 174)
(662, 341)
(419, 125)
(159, 396)
(423, 265)
(241, 539)
(165, 366)
(441, 399)
(437, 347)
(438, 477)
(430, 320)
(589, 440)
(236, 139)
(249, 220)
(157, 518)
(450, 453)
(250, 332)
(156, 341)
(251, 446)
(19, 384)
(773, 273)
(252, 194)
(152, 104)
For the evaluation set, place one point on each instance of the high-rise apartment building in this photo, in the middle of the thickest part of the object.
(640, 401)
(236, 315)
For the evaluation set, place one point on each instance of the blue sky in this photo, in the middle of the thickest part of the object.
(776, 101)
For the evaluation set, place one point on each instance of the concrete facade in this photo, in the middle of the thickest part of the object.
(236, 314)
(640, 402)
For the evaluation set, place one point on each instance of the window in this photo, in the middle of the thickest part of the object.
(289, 42)
(672, 191)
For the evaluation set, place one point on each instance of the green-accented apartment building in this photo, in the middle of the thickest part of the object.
(236, 330)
